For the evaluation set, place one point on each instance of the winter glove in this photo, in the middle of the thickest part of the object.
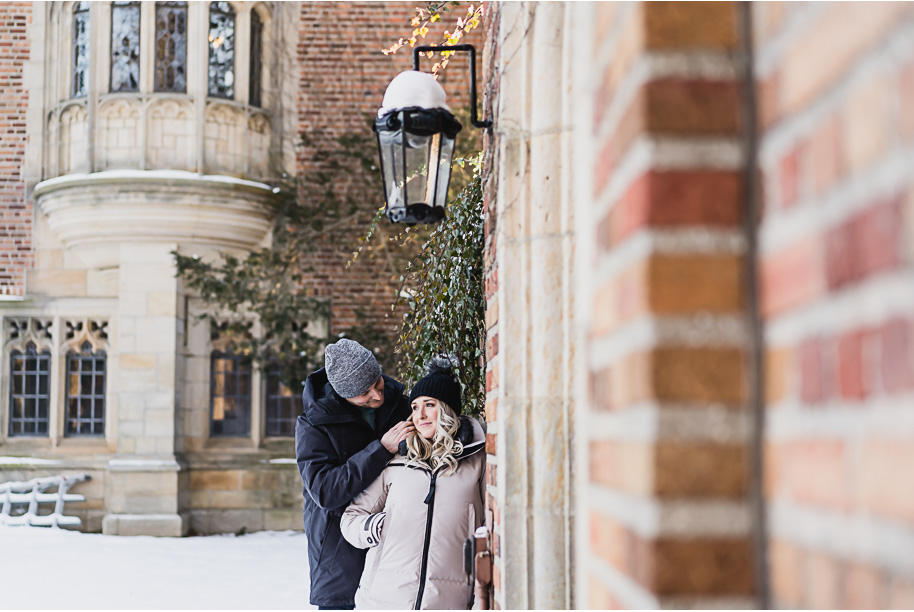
(373, 526)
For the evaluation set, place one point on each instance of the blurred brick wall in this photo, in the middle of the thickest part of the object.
(836, 86)
(341, 84)
(16, 254)
(667, 334)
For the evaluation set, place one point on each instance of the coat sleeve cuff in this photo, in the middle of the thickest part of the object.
(374, 526)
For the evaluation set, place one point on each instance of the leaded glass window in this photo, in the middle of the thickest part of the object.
(283, 405)
(230, 394)
(80, 49)
(171, 46)
(86, 391)
(256, 59)
(221, 50)
(30, 392)
(125, 46)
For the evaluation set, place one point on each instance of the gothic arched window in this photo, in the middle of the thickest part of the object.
(80, 49)
(221, 50)
(256, 72)
(230, 394)
(171, 46)
(125, 46)
(30, 393)
(282, 404)
(86, 391)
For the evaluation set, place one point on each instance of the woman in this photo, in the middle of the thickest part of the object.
(416, 516)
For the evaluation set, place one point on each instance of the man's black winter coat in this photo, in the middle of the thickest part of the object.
(338, 456)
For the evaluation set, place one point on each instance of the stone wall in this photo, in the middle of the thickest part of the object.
(16, 254)
(836, 86)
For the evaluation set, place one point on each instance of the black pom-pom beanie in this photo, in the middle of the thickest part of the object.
(439, 383)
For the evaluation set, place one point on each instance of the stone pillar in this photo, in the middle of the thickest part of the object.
(530, 379)
(142, 494)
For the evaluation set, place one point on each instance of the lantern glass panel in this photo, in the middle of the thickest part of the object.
(392, 167)
(444, 170)
(418, 149)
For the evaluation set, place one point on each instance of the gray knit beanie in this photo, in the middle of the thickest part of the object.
(351, 368)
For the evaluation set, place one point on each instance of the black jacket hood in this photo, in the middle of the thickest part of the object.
(323, 405)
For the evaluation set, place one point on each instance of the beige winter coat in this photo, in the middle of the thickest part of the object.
(415, 522)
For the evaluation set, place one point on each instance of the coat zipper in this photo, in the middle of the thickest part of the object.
(430, 500)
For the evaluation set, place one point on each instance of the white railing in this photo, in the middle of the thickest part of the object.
(34, 492)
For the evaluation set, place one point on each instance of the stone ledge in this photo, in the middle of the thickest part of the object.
(143, 465)
(161, 525)
(94, 214)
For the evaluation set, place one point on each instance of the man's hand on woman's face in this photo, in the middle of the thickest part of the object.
(391, 440)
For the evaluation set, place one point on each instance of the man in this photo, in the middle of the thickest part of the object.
(353, 421)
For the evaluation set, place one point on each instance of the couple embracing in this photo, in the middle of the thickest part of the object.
(392, 485)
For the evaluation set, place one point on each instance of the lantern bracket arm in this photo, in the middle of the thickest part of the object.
(474, 117)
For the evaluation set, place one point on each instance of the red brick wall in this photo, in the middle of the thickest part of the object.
(16, 253)
(836, 85)
(341, 84)
(666, 325)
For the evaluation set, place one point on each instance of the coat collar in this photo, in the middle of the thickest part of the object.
(323, 406)
(469, 433)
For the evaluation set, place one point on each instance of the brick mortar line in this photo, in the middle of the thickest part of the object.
(848, 309)
(693, 240)
(724, 602)
(626, 590)
(513, 241)
(649, 332)
(650, 152)
(886, 57)
(850, 536)
(888, 416)
(653, 66)
(653, 421)
(887, 178)
(653, 518)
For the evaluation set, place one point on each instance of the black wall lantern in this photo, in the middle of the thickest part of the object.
(416, 133)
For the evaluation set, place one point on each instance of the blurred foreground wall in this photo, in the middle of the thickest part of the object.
(700, 298)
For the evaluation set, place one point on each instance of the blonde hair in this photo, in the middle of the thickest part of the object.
(443, 448)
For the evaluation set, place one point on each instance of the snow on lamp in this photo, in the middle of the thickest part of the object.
(416, 133)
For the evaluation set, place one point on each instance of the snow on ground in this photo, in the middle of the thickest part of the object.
(57, 569)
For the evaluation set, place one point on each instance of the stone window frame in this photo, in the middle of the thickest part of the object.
(128, 5)
(80, 9)
(154, 43)
(91, 361)
(222, 11)
(201, 340)
(60, 47)
(271, 372)
(20, 333)
(242, 367)
(58, 335)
